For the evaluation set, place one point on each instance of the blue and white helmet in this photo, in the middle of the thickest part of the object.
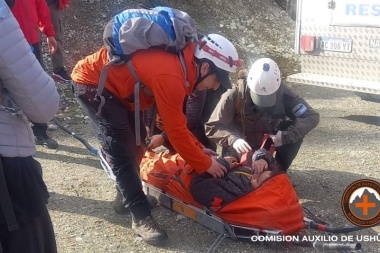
(264, 79)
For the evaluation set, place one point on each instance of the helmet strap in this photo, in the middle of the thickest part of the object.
(200, 78)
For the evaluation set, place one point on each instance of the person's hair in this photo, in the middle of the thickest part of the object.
(213, 67)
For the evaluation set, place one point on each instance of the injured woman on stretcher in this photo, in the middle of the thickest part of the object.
(261, 197)
(240, 179)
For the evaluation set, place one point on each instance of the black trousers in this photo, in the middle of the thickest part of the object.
(28, 195)
(35, 236)
(115, 130)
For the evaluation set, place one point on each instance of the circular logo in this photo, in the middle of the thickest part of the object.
(361, 203)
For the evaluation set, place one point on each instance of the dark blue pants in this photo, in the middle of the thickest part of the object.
(39, 129)
(115, 130)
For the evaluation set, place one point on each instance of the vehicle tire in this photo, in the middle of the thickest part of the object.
(369, 97)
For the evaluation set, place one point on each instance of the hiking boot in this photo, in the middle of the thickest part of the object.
(118, 205)
(61, 75)
(149, 231)
(46, 141)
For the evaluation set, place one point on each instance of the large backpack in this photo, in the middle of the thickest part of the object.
(137, 29)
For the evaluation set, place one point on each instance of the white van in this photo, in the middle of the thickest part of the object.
(338, 42)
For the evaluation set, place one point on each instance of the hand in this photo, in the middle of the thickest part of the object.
(277, 139)
(156, 141)
(259, 166)
(216, 170)
(241, 146)
(64, 7)
(210, 152)
(243, 73)
(52, 44)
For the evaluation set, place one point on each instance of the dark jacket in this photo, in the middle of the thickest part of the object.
(206, 189)
(236, 182)
(237, 117)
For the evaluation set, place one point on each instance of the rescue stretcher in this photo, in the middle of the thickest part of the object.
(227, 228)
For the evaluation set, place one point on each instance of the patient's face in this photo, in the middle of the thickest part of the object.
(231, 161)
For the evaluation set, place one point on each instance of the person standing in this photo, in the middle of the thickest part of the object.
(56, 8)
(208, 65)
(33, 16)
(25, 223)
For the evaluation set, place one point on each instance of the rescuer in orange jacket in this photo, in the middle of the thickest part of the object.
(208, 66)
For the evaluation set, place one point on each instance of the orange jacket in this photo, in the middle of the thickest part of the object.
(162, 73)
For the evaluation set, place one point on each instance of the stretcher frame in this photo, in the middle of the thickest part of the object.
(236, 232)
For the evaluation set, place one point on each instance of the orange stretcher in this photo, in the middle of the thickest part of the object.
(271, 209)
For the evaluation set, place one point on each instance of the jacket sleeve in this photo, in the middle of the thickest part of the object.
(170, 106)
(304, 117)
(22, 75)
(44, 20)
(221, 126)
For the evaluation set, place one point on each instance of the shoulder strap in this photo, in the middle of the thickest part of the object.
(240, 100)
(183, 64)
(102, 83)
(136, 92)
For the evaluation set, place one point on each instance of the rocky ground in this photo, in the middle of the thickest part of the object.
(343, 148)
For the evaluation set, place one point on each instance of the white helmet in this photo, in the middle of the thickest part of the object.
(264, 79)
(220, 51)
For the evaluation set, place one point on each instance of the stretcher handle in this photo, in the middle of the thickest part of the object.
(74, 135)
(310, 224)
(331, 245)
(93, 150)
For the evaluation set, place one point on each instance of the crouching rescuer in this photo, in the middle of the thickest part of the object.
(208, 63)
(261, 104)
